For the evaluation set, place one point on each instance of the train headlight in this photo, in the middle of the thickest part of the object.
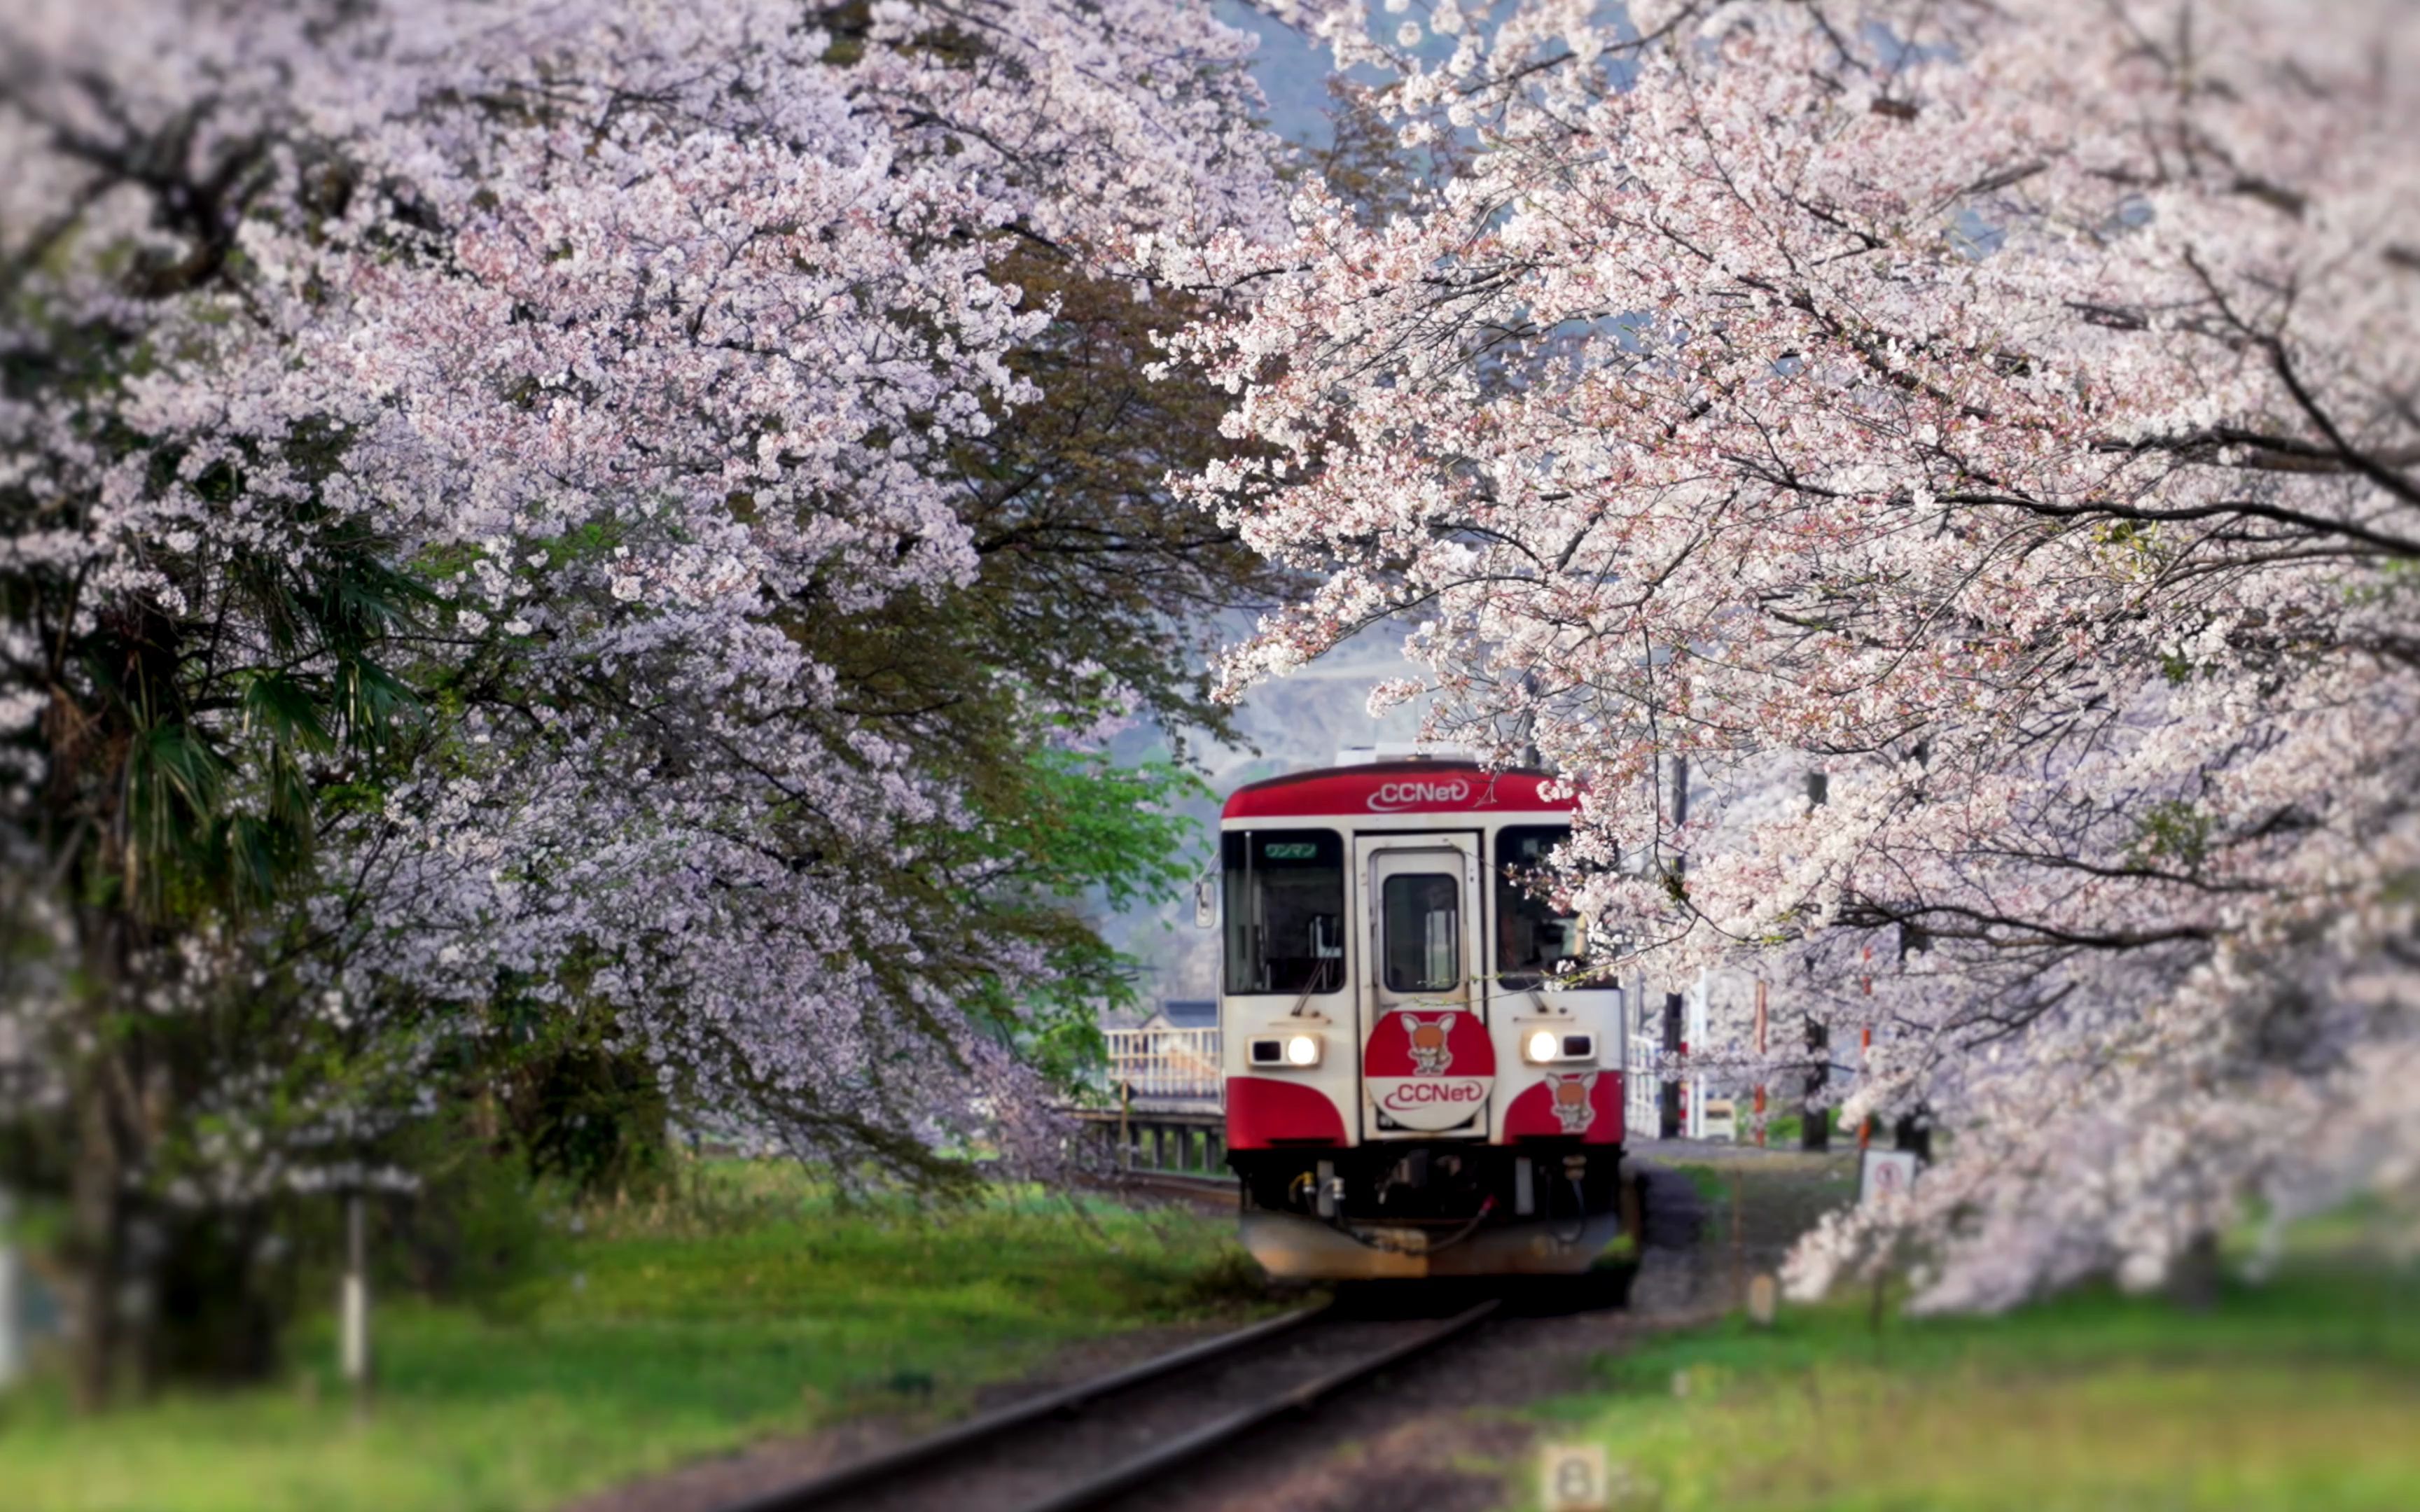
(1302, 1050)
(1547, 1047)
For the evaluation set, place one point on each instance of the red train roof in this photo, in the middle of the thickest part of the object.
(1395, 787)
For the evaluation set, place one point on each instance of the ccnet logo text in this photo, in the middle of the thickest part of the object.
(1392, 797)
(1417, 1094)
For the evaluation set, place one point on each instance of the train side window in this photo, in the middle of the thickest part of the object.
(1285, 910)
(1531, 939)
(1423, 917)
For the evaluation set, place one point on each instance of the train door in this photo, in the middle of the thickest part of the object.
(1428, 1065)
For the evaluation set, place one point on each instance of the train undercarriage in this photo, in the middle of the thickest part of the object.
(1409, 1210)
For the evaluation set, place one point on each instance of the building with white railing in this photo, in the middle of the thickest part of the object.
(1160, 1062)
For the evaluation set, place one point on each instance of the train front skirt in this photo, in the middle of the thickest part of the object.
(1310, 1249)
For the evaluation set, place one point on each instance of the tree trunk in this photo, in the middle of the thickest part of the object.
(2198, 1276)
(1914, 1133)
(96, 1241)
(104, 1129)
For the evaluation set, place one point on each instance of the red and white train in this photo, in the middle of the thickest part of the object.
(1408, 1091)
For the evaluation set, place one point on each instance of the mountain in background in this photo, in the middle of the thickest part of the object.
(1292, 724)
(1302, 720)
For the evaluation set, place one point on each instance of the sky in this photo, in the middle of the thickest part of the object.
(1292, 71)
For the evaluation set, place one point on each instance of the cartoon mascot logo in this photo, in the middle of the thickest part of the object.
(1431, 1048)
(1574, 1106)
(1428, 1070)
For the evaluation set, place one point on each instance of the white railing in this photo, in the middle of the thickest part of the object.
(1643, 1085)
(1165, 1062)
(1642, 1112)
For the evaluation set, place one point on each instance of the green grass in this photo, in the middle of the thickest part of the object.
(1783, 1130)
(662, 1336)
(2304, 1394)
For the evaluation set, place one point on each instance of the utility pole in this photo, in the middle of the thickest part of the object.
(1865, 1053)
(1914, 1131)
(1668, 1108)
(1865, 1050)
(1529, 718)
(1671, 1118)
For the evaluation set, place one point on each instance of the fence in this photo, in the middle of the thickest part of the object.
(1643, 1082)
(1642, 1111)
(1165, 1062)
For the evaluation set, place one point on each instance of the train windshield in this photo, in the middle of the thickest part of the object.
(1531, 937)
(1423, 932)
(1284, 910)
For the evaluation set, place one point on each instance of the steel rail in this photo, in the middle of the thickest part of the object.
(1122, 1477)
(1189, 1181)
(918, 1453)
(1190, 1186)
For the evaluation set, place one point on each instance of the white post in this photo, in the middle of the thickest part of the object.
(355, 1308)
(12, 1301)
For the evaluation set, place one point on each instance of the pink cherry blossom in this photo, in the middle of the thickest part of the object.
(643, 333)
(2005, 410)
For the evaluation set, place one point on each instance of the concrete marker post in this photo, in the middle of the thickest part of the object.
(13, 1299)
(354, 1303)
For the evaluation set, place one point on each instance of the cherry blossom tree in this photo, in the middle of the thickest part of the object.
(469, 470)
(2004, 410)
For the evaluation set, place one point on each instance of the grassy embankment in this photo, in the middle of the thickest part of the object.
(655, 1336)
(2296, 1396)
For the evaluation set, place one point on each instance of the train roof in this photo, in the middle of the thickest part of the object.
(1395, 788)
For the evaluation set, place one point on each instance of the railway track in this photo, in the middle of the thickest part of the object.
(1085, 1445)
(1175, 1184)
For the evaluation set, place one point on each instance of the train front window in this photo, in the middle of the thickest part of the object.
(1284, 910)
(1531, 939)
(1423, 920)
